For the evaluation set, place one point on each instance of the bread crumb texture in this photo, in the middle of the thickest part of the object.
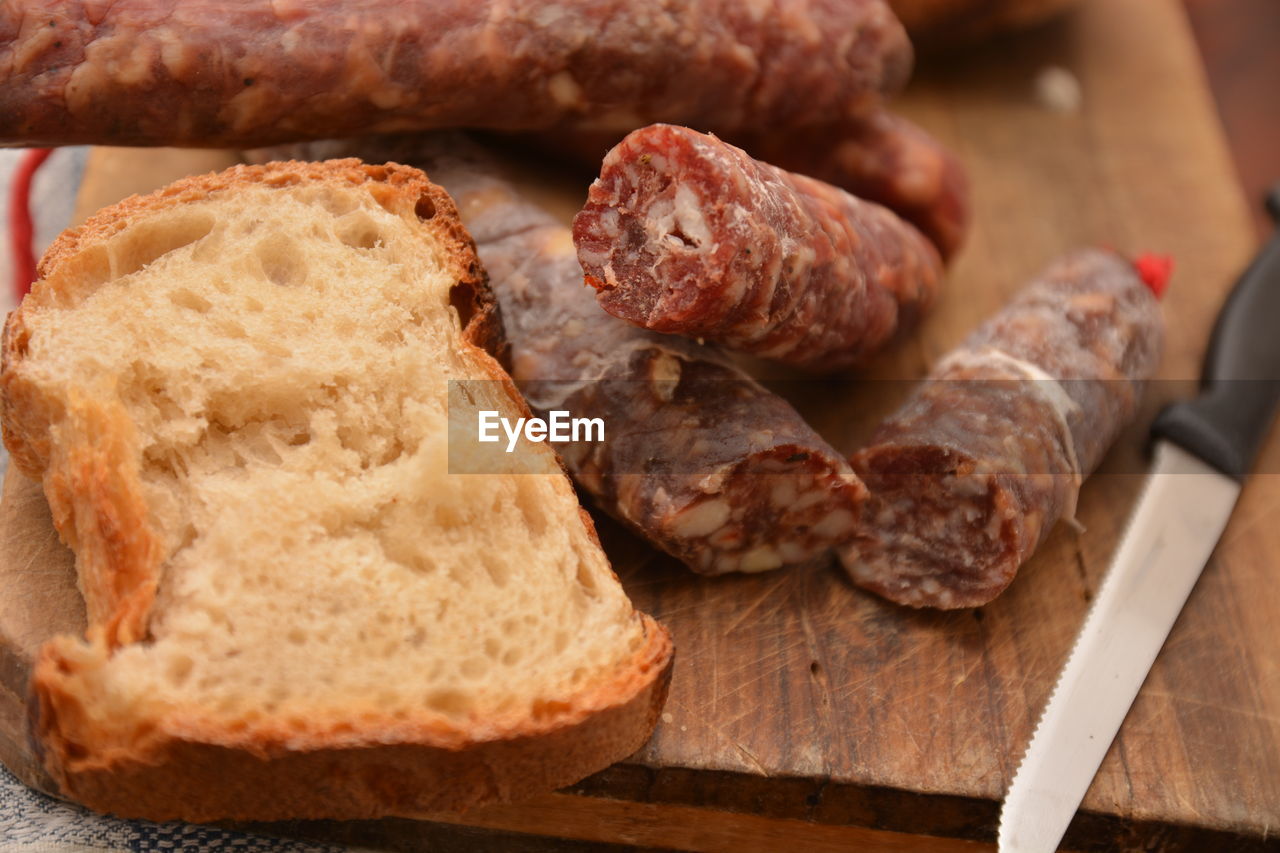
(235, 393)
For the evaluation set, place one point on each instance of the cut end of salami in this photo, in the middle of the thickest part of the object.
(938, 532)
(661, 209)
(965, 482)
(967, 478)
(710, 466)
(782, 507)
(685, 234)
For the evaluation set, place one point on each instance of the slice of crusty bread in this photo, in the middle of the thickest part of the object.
(235, 393)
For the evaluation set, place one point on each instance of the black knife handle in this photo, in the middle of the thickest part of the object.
(1240, 383)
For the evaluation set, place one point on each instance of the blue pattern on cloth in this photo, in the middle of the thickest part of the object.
(31, 822)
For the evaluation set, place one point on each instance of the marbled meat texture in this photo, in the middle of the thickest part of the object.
(210, 73)
(685, 234)
(882, 158)
(970, 475)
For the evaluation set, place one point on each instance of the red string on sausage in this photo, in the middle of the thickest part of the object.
(1154, 270)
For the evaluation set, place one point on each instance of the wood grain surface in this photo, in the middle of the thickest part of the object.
(805, 713)
(1238, 39)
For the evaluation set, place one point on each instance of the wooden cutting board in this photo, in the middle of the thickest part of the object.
(805, 714)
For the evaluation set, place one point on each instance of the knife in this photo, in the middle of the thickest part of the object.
(1204, 447)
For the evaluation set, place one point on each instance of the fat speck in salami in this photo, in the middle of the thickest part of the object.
(685, 234)
(969, 476)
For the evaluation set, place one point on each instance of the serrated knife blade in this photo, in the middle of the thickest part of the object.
(1204, 448)
(1183, 510)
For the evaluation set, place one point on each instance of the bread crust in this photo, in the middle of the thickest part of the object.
(195, 772)
(190, 767)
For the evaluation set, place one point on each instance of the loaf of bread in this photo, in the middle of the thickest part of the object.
(235, 394)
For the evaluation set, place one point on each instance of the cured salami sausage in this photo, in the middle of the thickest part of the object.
(685, 234)
(882, 158)
(208, 73)
(698, 458)
(969, 476)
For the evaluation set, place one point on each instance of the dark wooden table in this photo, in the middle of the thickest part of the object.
(1239, 41)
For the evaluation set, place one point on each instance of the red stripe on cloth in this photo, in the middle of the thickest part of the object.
(21, 228)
